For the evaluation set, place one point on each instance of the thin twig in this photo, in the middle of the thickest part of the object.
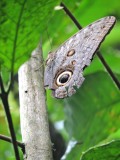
(8, 139)
(108, 69)
(114, 78)
(71, 16)
(4, 98)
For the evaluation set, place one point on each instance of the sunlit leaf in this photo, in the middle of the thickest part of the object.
(109, 151)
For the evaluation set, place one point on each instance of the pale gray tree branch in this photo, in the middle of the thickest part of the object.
(33, 110)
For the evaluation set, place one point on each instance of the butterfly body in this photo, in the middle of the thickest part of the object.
(64, 67)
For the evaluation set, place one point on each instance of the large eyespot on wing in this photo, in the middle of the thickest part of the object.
(78, 51)
(63, 78)
(64, 84)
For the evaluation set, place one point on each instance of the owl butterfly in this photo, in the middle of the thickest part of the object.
(64, 67)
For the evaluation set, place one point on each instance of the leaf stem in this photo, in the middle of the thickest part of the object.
(114, 78)
(14, 46)
(8, 139)
(1, 85)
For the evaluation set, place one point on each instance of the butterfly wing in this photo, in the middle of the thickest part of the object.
(65, 66)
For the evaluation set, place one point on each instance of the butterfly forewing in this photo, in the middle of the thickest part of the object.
(64, 67)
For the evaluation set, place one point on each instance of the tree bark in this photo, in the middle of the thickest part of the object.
(33, 112)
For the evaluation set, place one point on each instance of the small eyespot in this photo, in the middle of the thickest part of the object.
(63, 78)
(71, 52)
(73, 62)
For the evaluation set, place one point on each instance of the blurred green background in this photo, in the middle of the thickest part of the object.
(92, 115)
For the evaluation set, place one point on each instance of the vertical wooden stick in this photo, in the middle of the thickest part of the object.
(33, 112)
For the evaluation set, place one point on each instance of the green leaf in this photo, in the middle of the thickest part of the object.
(92, 114)
(22, 24)
(110, 151)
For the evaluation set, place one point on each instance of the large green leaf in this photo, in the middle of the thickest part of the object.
(93, 113)
(22, 24)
